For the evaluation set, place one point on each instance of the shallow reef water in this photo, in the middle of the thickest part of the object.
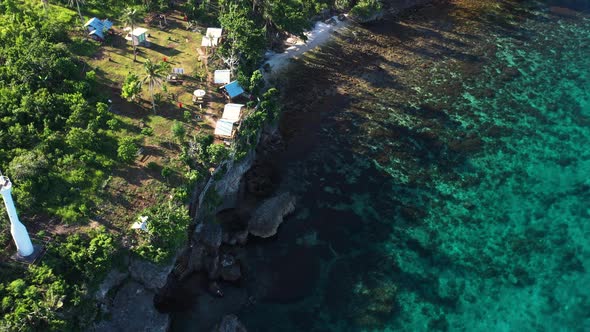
(452, 192)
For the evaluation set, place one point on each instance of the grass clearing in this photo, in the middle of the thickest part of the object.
(137, 186)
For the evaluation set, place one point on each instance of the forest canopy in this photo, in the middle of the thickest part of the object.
(54, 139)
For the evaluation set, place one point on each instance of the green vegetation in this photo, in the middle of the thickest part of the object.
(166, 231)
(89, 255)
(54, 295)
(127, 150)
(54, 133)
(268, 110)
(217, 152)
(130, 17)
(254, 25)
(35, 302)
(365, 9)
(178, 131)
(131, 88)
(153, 75)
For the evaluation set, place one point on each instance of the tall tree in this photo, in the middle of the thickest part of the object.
(77, 3)
(130, 17)
(154, 72)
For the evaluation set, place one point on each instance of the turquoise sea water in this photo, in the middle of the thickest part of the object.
(460, 203)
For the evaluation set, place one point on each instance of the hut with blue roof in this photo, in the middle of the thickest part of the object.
(97, 28)
(233, 89)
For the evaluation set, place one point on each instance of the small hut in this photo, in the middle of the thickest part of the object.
(231, 114)
(97, 28)
(222, 76)
(224, 128)
(211, 37)
(233, 89)
(138, 36)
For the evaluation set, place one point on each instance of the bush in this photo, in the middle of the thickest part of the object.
(186, 116)
(90, 256)
(166, 231)
(127, 150)
(147, 131)
(198, 147)
(217, 153)
(91, 76)
(365, 10)
(256, 82)
(35, 302)
(113, 124)
(69, 214)
(166, 172)
(178, 131)
(131, 87)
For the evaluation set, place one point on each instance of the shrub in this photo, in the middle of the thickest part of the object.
(186, 116)
(198, 147)
(147, 131)
(217, 153)
(79, 138)
(256, 82)
(113, 124)
(166, 172)
(166, 231)
(90, 255)
(91, 76)
(127, 150)
(131, 87)
(34, 302)
(365, 10)
(178, 131)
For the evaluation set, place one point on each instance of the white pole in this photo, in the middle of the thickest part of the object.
(17, 229)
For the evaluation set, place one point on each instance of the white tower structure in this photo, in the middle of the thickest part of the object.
(17, 229)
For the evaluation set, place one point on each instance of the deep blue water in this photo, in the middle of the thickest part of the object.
(443, 179)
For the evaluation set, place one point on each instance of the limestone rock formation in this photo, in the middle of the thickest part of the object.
(269, 215)
(113, 279)
(151, 275)
(229, 186)
(133, 310)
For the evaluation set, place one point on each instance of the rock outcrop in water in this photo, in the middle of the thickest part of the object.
(269, 215)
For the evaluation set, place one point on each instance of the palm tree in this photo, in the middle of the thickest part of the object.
(130, 16)
(77, 2)
(153, 76)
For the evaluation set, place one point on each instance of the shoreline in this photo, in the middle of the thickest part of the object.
(321, 33)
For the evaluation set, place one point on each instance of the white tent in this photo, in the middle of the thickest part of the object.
(232, 112)
(141, 224)
(224, 127)
(211, 37)
(222, 76)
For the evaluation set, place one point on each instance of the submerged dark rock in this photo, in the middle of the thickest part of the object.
(293, 276)
(230, 269)
(230, 323)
